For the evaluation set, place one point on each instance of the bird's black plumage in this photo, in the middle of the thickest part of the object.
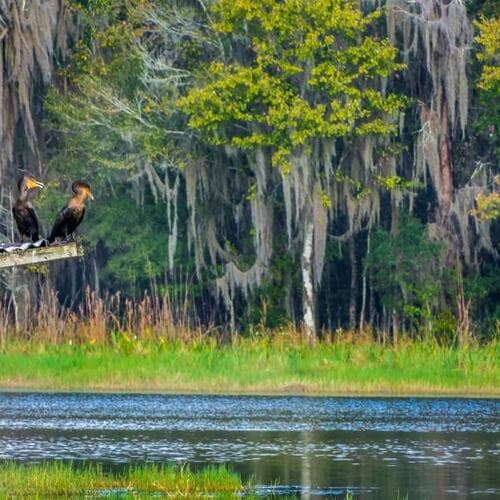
(70, 217)
(24, 213)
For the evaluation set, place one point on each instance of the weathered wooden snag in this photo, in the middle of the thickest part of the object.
(22, 256)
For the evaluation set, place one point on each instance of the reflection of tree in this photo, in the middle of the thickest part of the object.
(306, 464)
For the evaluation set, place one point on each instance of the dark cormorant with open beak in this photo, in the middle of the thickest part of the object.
(71, 215)
(24, 213)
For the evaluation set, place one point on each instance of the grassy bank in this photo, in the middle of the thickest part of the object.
(62, 479)
(253, 366)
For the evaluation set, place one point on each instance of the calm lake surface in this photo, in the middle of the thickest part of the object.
(373, 447)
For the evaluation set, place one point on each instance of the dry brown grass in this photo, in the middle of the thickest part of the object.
(96, 319)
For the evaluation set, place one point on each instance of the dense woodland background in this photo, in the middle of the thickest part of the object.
(327, 164)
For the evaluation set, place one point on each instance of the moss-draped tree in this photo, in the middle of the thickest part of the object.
(287, 196)
(296, 75)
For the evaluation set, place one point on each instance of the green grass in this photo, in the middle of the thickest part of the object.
(416, 368)
(62, 479)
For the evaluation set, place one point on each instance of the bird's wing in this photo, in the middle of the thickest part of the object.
(26, 220)
(34, 221)
(66, 222)
(62, 215)
(76, 218)
(59, 223)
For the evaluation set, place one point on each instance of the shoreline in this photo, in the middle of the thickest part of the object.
(278, 392)
(338, 395)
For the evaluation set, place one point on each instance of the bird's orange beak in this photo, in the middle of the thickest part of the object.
(33, 183)
(90, 195)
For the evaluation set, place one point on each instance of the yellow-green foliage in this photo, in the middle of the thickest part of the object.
(311, 71)
(489, 39)
(488, 206)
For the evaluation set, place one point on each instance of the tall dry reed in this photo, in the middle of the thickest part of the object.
(96, 319)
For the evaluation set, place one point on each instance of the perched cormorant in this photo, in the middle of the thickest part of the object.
(24, 213)
(71, 215)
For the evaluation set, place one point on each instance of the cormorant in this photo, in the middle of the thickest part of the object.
(71, 215)
(24, 213)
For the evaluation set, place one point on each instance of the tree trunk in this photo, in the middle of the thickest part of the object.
(463, 308)
(385, 325)
(289, 306)
(354, 284)
(97, 282)
(395, 327)
(445, 164)
(364, 286)
(308, 293)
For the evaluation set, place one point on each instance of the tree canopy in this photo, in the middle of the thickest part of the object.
(317, 162)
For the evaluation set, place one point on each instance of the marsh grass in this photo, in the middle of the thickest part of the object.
(270, 365)
(63, 479)
(110, 344)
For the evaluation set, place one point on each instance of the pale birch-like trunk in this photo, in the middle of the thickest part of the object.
(308, 294)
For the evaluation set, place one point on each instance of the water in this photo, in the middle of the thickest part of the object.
(373, 447)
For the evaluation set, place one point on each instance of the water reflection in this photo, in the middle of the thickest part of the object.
(374, 447)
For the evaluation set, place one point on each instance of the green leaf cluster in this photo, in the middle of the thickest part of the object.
(104, 122)
(310, 71)
(488, 39)
(405, 268)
